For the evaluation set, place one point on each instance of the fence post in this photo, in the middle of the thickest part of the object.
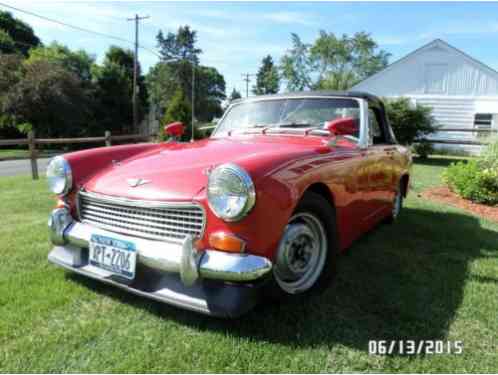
(32, 154)
(107, 136)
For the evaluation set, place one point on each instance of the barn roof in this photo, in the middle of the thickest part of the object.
(435, 43)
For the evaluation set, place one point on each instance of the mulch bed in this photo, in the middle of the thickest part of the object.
(444, 195)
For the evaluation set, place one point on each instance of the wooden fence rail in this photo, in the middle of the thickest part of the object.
(107, 139)
(31, 141)
(465, 142)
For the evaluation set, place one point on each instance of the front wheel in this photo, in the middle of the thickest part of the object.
(306, 254)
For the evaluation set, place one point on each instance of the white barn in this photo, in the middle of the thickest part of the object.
(462, 91)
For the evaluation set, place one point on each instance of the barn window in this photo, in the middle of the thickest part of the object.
(483, 121)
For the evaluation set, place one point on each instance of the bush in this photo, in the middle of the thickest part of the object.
(179, 109)
(489, 156)
(423, 149)
(409, 123)
(477, 179)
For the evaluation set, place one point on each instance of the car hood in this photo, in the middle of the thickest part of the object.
(179, 171)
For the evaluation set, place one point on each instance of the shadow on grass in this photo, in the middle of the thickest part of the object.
(438, 161)
(403, 281)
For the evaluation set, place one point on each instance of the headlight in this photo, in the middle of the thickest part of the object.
(59, 176)
(231, 193)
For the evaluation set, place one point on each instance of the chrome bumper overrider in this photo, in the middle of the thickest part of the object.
(71, 240)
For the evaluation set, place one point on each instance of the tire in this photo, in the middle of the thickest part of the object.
(306, 256)
(397, 204)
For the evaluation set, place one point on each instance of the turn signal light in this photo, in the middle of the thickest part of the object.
(227, 242)
(60, 203)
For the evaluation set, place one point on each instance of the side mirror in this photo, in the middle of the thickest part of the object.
(343, 126)
(174, 130)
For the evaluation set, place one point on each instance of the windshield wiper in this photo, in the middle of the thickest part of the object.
(295, 125)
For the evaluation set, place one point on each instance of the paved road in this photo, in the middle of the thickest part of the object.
(21, 167)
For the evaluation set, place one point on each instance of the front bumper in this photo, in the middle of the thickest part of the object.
(211, 282)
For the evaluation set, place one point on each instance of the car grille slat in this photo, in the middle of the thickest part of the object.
(193, 222)
(152, 220)
(179, 213)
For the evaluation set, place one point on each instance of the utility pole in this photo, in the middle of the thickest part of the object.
(193, 99)
(247, 80)
(135, 71)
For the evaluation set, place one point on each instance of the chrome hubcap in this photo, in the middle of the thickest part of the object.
(301, 253)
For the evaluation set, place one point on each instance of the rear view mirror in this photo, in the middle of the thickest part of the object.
(343, 126)
(174, 130)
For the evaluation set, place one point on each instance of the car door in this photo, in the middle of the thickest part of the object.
(380, 164)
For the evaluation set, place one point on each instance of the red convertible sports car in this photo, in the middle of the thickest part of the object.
(264, 206)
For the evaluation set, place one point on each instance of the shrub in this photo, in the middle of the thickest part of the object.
(477, 179)
(409, 123)
(423, 149)
(489, 156)
(179, 109)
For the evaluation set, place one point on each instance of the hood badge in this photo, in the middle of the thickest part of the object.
(134, 182)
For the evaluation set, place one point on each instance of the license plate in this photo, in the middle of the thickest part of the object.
(116, 256)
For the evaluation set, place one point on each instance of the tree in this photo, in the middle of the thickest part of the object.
(267, 79)
(332, 62)
(179, 109)
(209, 93)
(20, 33)
(166, 77)
(180, 46)
(179, 51)
(161, 83)
(78, 62)
(7, 44)
(343, 62)
(114, 85)
(234, 95)
(50, 98)
(296, 65)
(409, 123)
(11, 72)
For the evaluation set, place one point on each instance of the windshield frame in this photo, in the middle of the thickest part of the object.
(362, 106)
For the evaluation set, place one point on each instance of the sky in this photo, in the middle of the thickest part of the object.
(235, 37)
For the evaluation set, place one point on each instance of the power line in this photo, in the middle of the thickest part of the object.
(79, 28)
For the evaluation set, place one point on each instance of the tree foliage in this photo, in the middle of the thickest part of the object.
(180, 46)
(21, 34)
(234, 95)
(296, 66)
(114, 92)
(78, 62)
(50, 98)
(7, 44)
(409, 123)
(331, 62)
(62, 92)
(179, 109)
(267, 79)
(167, 77)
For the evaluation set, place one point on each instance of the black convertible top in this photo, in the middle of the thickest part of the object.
(323, 93)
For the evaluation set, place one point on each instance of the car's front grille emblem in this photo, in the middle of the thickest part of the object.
(134, 182)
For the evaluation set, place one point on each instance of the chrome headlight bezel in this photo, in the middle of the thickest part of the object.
(245, 181)
(59, 176)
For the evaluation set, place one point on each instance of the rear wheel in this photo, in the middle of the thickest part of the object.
(306, 254)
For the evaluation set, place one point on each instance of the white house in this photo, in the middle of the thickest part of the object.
(462, 91)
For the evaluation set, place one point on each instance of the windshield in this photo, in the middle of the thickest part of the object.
(290, 112)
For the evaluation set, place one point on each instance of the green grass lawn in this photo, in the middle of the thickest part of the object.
(6, 154)
(431, 276)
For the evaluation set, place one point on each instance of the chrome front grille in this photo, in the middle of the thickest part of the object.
(146, 219)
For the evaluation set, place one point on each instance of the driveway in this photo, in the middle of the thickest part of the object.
(21, 167)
